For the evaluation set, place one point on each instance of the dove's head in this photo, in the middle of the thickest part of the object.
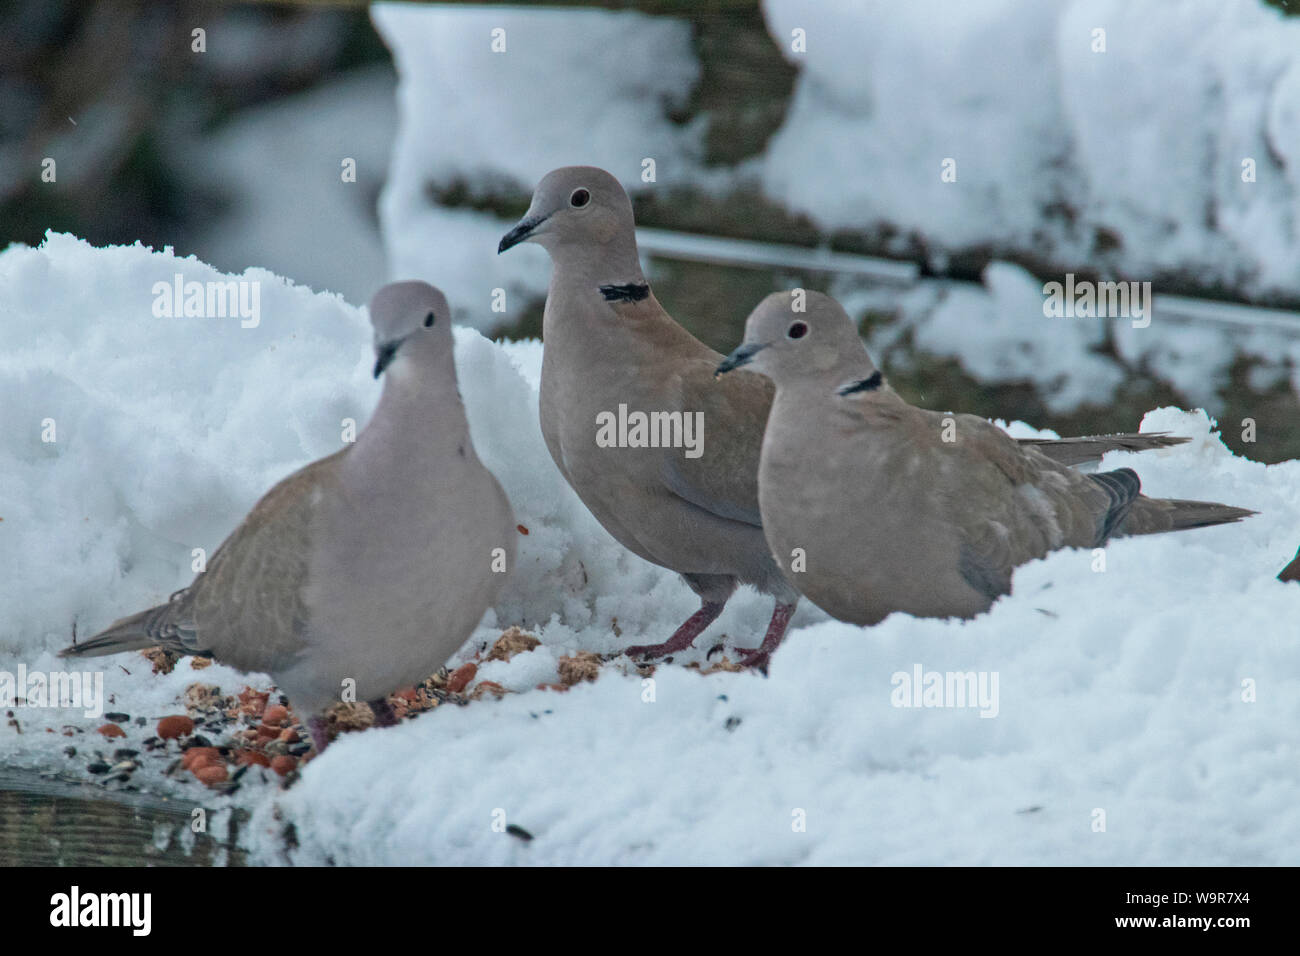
(412, 323)
(803, 336)
(575, 207)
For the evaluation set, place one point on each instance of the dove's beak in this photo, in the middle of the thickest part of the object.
(740, 355)
(526, 227)
(384, 355)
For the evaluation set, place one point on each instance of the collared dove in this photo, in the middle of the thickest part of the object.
(609, 347)
(373, 564)
(886, 507)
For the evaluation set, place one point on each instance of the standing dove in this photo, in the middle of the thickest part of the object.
(610, 347)
(373, 564)
(888, 507)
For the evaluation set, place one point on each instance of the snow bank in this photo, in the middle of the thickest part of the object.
(1143, 143)
(281, 165)
(1118, 691)
(568, 88)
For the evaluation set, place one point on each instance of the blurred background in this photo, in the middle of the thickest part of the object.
(766, 145)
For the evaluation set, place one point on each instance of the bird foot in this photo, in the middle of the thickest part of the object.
(755, 657)
(683, 637)
(653, 651)
(759, 657)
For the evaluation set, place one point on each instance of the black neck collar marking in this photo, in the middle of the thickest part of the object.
(627, 292)
(868, 384)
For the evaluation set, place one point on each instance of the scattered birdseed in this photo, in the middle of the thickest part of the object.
(578, 667)
(513, 641)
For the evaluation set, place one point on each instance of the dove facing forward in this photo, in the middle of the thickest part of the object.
(371, 565)
(888, 507)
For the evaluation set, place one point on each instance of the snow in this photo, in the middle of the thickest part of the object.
(293, 214)
(997, 331)
(1144, 141)
(570, 88)
(280, 166)
(1119, 691)
(1132, 707)
(1009, 88)
(1017, 342)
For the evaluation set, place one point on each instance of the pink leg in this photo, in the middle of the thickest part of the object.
(684, 636)
(759, 656)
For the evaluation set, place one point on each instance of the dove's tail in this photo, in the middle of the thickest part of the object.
(146, 629)
(1154, 515)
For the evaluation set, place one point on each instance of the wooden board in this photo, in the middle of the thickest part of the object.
(47, 820)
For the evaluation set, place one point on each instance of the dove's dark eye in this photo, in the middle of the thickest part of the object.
(428, 321)
(580, 198)
(797, 330)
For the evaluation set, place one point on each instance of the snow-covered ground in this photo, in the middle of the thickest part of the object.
(1164, 692)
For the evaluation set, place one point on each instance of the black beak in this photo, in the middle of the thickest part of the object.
(384, 355)
(740, 355)
(519, 233)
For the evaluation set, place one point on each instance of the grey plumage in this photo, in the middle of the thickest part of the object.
(895, 508)
(373, 564)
